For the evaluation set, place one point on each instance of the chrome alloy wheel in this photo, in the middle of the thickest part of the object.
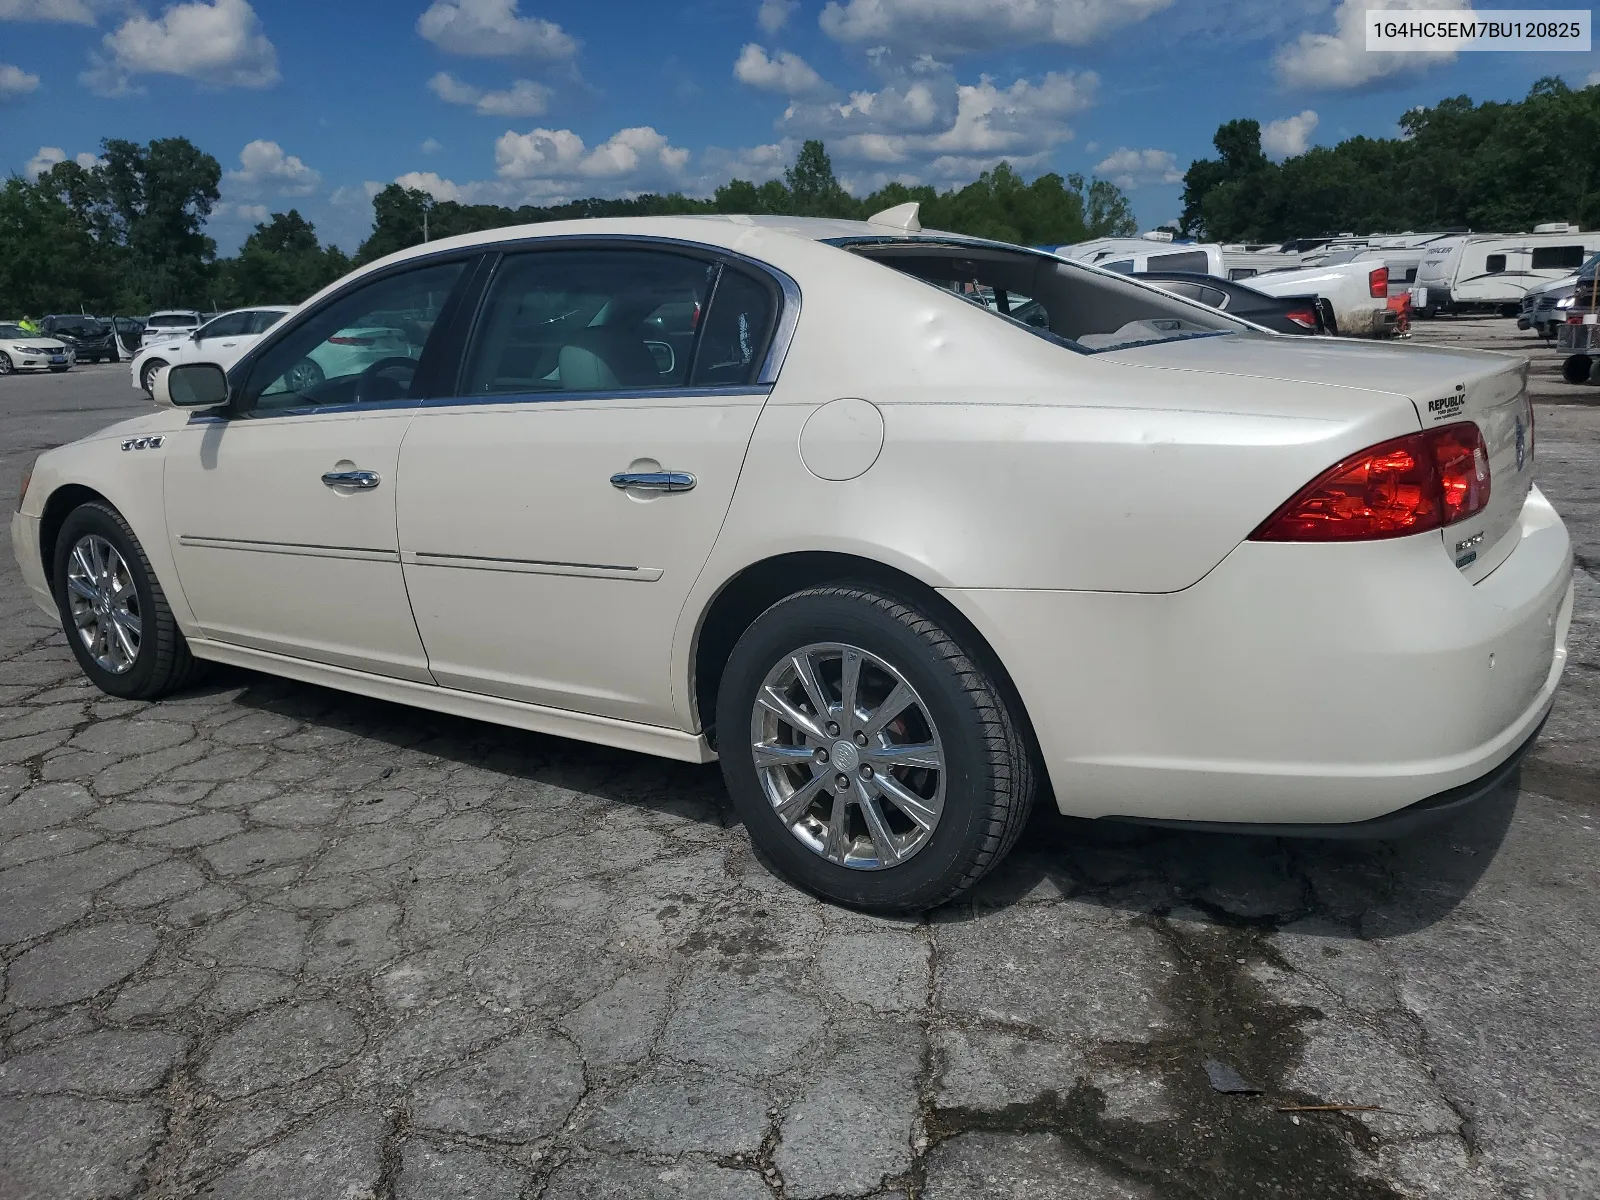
(104, 603)
(848, 756)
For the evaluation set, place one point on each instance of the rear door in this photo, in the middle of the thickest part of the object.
(555, 512)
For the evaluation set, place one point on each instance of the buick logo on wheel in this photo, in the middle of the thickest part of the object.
(1522, 444)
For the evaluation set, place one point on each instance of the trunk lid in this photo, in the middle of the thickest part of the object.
(1444, 385)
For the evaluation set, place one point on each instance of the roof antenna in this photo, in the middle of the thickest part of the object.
(901, 216)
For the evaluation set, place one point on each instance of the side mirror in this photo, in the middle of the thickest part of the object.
(190, 385)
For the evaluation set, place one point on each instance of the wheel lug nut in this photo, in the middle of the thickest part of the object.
(821, 754)
(861, 738)
(842, 782)
(866, 770)
(833, 729)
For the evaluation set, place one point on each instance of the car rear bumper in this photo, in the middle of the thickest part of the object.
(25, 546)
(1294, 684)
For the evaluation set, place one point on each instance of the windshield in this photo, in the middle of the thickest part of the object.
(15, 331)
(82, 327)
(1063, 302)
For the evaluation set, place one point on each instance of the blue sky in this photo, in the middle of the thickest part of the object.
(316, 104)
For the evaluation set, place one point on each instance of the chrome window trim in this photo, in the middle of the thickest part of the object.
(783, 331)
(675, 392)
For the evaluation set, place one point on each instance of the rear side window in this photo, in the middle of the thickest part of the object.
(1495, 263)
(1123, 266)
(1557, 258)
(588, 321)
(738, 330)
(260, 322)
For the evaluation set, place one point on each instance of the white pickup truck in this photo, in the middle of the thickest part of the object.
(1358, 291)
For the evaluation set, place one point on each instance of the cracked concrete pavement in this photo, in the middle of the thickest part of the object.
(267, 940)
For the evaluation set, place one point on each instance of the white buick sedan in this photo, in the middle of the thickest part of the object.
(808, 497)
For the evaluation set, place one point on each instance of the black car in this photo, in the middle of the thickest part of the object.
(1282, 314)
(92, 338)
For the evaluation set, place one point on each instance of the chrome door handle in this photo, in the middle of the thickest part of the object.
(362, 481)
(654, 481)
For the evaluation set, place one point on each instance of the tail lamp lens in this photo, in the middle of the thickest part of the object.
(1409, 485)
(1302, 317)
(1378, 283)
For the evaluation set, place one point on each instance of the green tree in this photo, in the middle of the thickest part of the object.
(280, 263)
(49, 259)
(150, 202)
(813, 189)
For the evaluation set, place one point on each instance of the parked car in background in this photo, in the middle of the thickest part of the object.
(1281, 314)
(1141, 556)
(22, 350)
(1545, 306)
(1358, 293)
(91, 339)
(222, 341)
(170, 322)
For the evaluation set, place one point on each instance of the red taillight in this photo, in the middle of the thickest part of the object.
(1378, 283)
(1413, 484)
(1302, 317)
(351, 341)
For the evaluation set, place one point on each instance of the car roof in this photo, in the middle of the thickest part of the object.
(175, 312)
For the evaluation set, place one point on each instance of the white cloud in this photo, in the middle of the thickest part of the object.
(774, 14)
(1341, 59)
(524, 98)
(430, 182)
(1593, 80)
(935, 125)
(49, 156)
(252, 214)
(264, 167)
(1288, 137)
(957, 26)
(493, 29)
(784, 72)
(219, 43)
(75, 12)
(561, 154)
(1129, 169)
(14, 81)
(431, 146)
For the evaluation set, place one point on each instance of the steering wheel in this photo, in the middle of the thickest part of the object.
(367, 390)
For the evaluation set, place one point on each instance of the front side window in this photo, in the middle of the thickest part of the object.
(260, 322)
(227, 325)
(596, 321)
(363, 347)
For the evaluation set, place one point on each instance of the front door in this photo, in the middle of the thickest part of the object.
(282, 514)
(555, 514)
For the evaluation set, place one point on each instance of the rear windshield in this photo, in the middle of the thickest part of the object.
(173, 321)
(1063, 302)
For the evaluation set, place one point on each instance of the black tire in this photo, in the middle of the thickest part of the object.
(1576, 368)
(147, 372)
(989, 780)
(163, 663)
(6, 365)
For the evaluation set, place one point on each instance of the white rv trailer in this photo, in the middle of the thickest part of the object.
(1493, 272)
(1155, 251)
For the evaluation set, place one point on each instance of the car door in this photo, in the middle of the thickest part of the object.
(218, 341)
(281, 512)
(555, 513)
